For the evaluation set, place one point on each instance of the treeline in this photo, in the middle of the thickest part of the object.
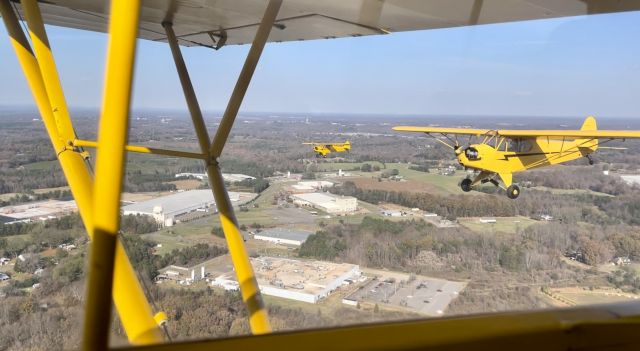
(414, 246)
(23, 181)
(235, 165)
(62, 195)
(137, 181)
(564, 177)
(138, 224)
(258, 185)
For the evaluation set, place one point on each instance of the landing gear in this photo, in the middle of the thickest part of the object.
(466, 185)
(591, 162)
(513, 191)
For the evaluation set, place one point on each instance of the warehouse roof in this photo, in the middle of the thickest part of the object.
(176, 201)
(287, 234)
(317, 198)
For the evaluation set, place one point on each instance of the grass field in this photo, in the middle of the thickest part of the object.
(426, 182)
(571, 191)
(42, 165)
(586, 296)
(507, 225)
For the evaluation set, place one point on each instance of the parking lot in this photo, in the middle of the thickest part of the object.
(423, 295)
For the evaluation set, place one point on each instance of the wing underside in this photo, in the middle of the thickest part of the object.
(214, 23)
(569, 134)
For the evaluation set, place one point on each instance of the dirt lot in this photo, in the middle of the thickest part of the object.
(187, 184)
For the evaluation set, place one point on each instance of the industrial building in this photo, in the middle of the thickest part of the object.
(37, 211)
(327, 202)
(283, 236)
(228, 177)
(307, 281)
(167, 210)
(310, 186)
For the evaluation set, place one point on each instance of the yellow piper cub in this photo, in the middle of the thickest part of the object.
(500, 153)
(323, 149)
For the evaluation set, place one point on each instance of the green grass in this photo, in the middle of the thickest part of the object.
(448, 184)
(43, 165)
(507, 225)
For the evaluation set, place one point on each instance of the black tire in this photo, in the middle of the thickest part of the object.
(513, 191)
(465, 185)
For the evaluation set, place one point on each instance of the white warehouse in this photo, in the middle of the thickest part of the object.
(283, 236)
(307, 281)
(165, 209)
(327, 202)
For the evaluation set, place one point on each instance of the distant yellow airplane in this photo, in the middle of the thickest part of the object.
(323, 149)
(504, 152)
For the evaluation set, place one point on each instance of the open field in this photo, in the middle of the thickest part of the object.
(571, 191)
(346, 166)
(187, 184)
(586, 296)
(508, 225)
(402, 186)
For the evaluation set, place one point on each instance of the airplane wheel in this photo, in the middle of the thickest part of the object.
(591, 162)
(513, 191)
(466, 185)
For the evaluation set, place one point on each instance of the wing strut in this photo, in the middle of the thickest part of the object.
(41, 75)
(258, 319)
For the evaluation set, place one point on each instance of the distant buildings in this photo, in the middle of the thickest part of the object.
(228, 177)
(167, 210)
(306, 281)
(283, 236)
(310, 186)
(327, 202)
(37, 211)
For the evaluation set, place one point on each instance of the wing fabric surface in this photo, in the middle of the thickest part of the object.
(571, 134)
(436, 130)
(213, 23)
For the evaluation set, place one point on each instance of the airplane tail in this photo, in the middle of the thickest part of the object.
(588, 145)
(347, 145)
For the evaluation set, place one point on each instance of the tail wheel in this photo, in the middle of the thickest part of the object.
(513, 191)
(466, 185)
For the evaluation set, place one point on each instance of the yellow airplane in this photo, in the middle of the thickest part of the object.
(500, 153)
(323, 149)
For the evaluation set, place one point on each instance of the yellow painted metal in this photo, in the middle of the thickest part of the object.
(145, 150)
(605, 327)
(110, 161)
(48, 70)
(244, 79)
(189, 93)
(130, 296)
(249, 289)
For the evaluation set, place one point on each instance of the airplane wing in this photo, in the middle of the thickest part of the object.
(213, 23)
(572, 134)
(434, 130)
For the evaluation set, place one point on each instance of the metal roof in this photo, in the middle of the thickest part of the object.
(174, 202)
(288, 234)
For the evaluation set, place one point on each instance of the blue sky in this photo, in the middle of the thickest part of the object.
(561, 67)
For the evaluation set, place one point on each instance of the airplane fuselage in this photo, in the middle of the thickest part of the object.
(520, 155)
